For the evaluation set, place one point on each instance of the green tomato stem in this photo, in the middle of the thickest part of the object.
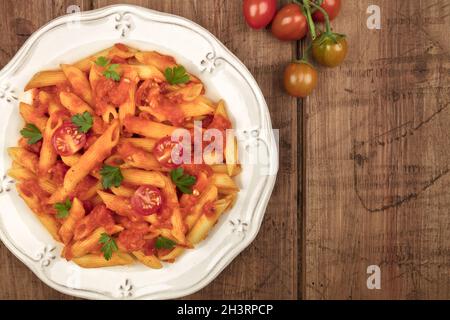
(325, 14)
(312, 27)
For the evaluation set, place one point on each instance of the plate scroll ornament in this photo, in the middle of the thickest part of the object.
(219, 69)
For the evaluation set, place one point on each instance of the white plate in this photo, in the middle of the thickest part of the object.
(72, 37)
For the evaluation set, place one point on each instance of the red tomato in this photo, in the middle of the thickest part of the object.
(290, 23)
(259, 13)
(68, 139)
(146, 200)
(163, 152)
(332, 7)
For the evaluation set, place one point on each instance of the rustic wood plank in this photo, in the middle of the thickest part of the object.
(268, 268)
(377, 158)
(18, 20)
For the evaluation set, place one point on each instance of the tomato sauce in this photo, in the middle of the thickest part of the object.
(151, 93)
(100, 216)
(108, 92)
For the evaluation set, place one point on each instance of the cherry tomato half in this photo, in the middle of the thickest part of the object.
(290, 23)
(300, 79)
(163, 152)
(259, 13)
(332, 7)
(68, 139)
(146, 200)
(330, 50)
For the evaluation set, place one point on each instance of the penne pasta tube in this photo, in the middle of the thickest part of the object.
(85, 64)
(79, 82)
(71, 160)
(25, 158)
(144, 143)
(231, 153)
(188, 109)
(18, 172)
(224, 182)
(98, 261)
(76, 213)
(171, 199)
(222, 168)
(150, 261)
(90, 243)
(128, 108)
(142, 177)
(123, 191)
(162, 62)
(47, 185)
(118, 204)
(74, 104)
(148, 128)
(209, 195)
(48, 155)
(46, 79)
(147, 72)
(30, 116)
(207, 221)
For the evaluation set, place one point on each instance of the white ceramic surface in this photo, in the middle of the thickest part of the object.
(69, 38)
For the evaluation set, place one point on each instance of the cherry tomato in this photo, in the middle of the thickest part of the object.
(68, 139)
(163, 152)
(146, 200)
(332, 7)
(330, 50)
(259, 13)
(300, 79)
(290, 23)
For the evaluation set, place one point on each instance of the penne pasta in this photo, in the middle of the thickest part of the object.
(95, 160)
(143, 177)
(98, 261)
(148, 128)
(46, 79)
(76, 213)
(74, 104)
(30, 116)
(150, 261)
(79, 82)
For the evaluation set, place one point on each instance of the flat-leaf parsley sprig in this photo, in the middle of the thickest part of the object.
(164, 243)
(108, 245)
(83, 121)
(32, 133)
(111, 71)
(111, 176)
(176, 75)
(184, 182)
(63, 209)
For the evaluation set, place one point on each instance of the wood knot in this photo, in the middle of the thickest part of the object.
(23, 27)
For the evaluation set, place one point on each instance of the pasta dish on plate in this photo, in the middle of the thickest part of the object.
(123, 158)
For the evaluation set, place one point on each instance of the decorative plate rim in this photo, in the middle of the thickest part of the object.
(264, 197)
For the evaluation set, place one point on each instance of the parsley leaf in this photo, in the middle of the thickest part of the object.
(164, 243)
(109, 245)
(83, 121)
(102, 61)
(176, 75)
(63, 209)
(111, 72)
(110, 69)
(184, 182)
(32, 133)
(111, 176)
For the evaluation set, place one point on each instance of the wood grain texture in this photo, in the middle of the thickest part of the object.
(377, 158)
(268, 268)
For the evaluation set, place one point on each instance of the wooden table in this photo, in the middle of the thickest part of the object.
(364, 162)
